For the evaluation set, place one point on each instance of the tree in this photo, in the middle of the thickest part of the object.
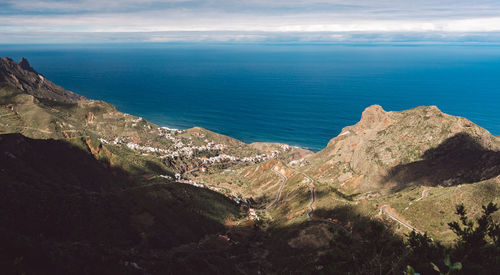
(423, 251)
(477, 250)
(469, 235)
(477, 246)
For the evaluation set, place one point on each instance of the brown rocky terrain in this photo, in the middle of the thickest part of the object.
(97, 193)
(37, 108)
(387, 158)
(23, 77)
(387, 150)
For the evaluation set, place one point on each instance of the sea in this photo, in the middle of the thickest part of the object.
(299, 94)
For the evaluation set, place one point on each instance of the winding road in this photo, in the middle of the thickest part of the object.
(191, 171)
(424, 194)
(383, 209)
(310, 213)
(312, 187)
(278, 194)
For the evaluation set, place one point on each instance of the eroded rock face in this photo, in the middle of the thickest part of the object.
(372, 118)
(363, 155)
(23, 77)
(25, 65)
(90, 117)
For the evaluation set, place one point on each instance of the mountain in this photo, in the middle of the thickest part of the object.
(87, 189)
(36, 110)
(23, 77)
(393, 150)
(63, 211)
(421, 162)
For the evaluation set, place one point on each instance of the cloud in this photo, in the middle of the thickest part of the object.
(79, 6)
(230, 20)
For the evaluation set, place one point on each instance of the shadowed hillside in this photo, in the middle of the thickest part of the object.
(62, 211)
(314, 247)
(56, 164)
(459, 159)
(70, 213)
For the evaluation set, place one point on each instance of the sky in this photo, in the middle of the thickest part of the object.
(280, 21)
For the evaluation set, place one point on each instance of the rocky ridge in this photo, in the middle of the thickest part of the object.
(363, 156)
(37, 108)
(23, 77)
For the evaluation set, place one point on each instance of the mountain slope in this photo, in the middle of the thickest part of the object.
(371, 155)
(61, 211)
(42, 110)
(23, 77)
(91, 193)
(388, 158)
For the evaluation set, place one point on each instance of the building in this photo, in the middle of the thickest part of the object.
(252, 214)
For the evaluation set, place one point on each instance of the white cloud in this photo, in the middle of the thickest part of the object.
(240, 20)
(84, 5)
(179, 21)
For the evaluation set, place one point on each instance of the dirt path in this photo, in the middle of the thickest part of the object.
(310, 213)
(39, 130)
(278, 194)
(312, 188)
(310, 185)
(425, 193)
(383, 209)
(191, 171)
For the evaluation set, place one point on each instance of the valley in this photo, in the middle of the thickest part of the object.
(85, 183)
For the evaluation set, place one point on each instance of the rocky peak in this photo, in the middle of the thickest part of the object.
(23, 77)
(25, 65)
(373, 118)
(373, 113)
(363, 154)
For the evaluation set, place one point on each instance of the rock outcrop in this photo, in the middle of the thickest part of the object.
(25, 65)
(23, 77)
(366, 155)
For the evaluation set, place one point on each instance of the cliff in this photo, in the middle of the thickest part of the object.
(390, 150)
(23, 77)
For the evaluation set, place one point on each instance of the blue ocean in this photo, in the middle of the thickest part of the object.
(297, 94)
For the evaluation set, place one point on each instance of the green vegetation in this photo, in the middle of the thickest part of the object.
(432, 213)
(86, 189)
(71, 212)
(476, 251)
